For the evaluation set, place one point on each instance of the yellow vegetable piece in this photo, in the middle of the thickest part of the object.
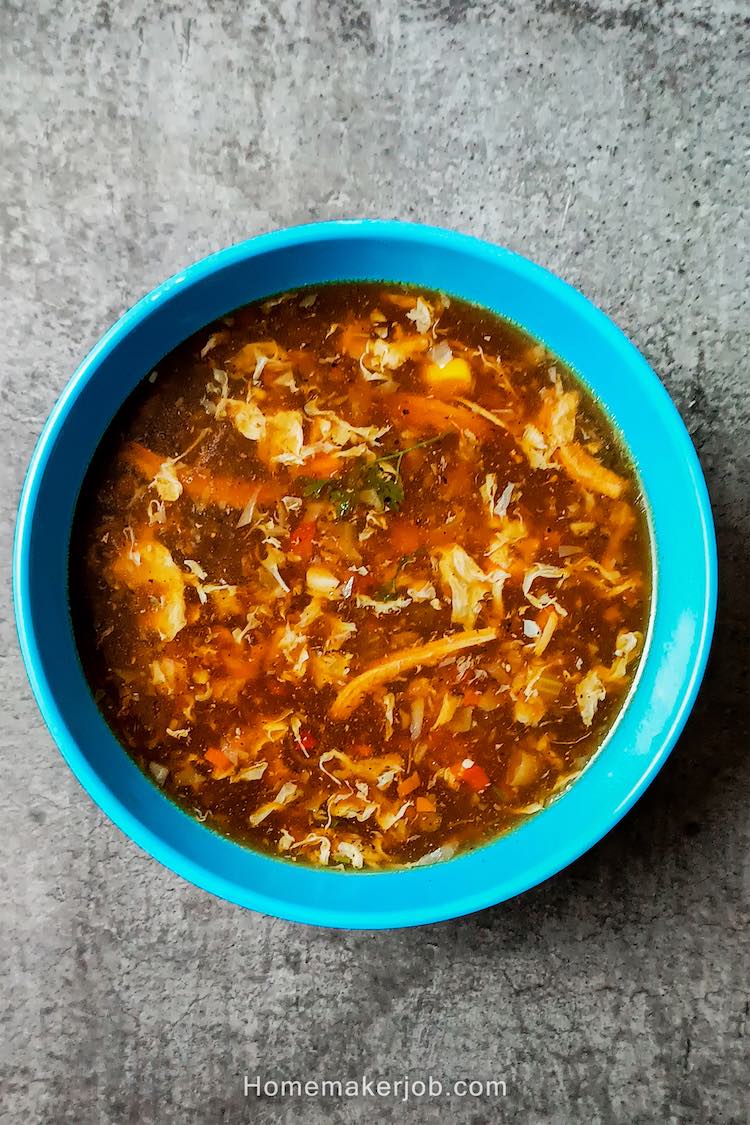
(454, 378)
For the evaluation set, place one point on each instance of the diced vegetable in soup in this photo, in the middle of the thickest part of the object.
(360, 576)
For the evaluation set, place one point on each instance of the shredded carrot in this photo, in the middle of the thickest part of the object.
(581, 467)
(228, 492)
(321, 467)
(409, 784)
(424, 804)
(354, 337)
(423, 413)
(404, 536)
(218, 759)
(474, 776)
(350, 696)
(302, 539)
(361, 750)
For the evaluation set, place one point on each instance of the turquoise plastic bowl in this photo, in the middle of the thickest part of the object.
(684, 556)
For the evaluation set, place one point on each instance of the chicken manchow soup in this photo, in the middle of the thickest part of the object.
(360, 576)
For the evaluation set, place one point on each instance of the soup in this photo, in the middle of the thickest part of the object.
(359, 576)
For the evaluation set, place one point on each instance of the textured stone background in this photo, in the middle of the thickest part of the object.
(608, 141)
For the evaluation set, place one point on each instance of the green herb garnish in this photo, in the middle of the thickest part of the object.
(399, 454)
(386, 592)
(312, 486)
(344, 501)
(389, 490)
(365, 476)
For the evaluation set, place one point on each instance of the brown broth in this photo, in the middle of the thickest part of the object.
(219, 635)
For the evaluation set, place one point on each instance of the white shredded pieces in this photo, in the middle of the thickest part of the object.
(424, 593)
(249, 510)
(417, 718)
(289, 792)
(166, 482)
(446, 851)
(271, 563)
(498, 506)
(350, 851)
(467, 582)
(589, 694)
(441, 354)
(133, 553)
(542, 570)
(250, 773)
(157, 513)
(196, 569)
(159, 772)
(388, 819)
(347, 588)
(421, 316)
(209, 345)
(501, 507)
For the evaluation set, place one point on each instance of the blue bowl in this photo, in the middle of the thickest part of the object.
(684, 560)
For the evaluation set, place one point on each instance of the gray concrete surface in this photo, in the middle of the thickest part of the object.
(608, 140)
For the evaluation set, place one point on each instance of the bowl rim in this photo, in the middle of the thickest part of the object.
(494, 890)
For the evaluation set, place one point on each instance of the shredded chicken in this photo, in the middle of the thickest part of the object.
(390, 669)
